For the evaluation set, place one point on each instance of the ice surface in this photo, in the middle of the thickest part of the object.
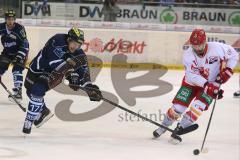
(111, 138)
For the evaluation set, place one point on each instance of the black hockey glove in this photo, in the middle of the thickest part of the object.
(93, 92)
(19, 60)
(74, 81)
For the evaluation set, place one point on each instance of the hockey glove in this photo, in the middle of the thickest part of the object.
(77, 61)
(74, 82)
(224, 75)
(213, 90)
(93, 92)
(19, 60)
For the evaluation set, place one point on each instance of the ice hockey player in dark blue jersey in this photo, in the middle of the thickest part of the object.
(15, 50)
(61, 57)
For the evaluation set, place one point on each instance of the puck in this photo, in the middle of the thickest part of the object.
(196, 152)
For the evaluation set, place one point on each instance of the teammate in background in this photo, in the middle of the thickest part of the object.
(204, 72)
(61, 57)
(15, 51)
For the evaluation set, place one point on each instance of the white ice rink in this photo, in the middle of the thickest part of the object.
(110, 138)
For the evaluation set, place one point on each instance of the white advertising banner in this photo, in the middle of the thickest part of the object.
(159, 47)
(133, 13)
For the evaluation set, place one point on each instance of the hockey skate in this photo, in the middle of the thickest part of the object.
(236, 94)
(166, 122)
(176, 139)
(27, 127)
(158, 132)
(44, 116)
(17, 94)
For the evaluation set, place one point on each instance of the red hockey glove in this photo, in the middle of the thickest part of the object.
(224, 75)
(212, 89)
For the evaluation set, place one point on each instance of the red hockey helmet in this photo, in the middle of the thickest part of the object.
(198, 41)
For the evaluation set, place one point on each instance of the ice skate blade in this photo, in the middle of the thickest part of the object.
(174, 141)
(25, 135)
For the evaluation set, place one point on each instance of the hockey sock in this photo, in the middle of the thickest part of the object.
(192, 115)
(17, 79)
(34, 107)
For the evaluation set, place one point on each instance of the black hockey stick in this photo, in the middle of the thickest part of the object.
(209, 122)
(23, 109)
(181, 132)
(184, 131)
(208, 126)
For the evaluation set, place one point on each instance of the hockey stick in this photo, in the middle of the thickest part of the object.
(23, 109)
(209, 122)
(184, 131)
(181, 132)
(136, 114)
(129, 111)
(208, 126)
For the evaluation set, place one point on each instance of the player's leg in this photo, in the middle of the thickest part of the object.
(180, 103)
(4, 64)
(201, 103)
(36, 102)
(44, 116)
(17, 72)
(173, 114)
(37, 113)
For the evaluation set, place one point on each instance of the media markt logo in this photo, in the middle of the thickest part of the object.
(234, 18)
(168, 16)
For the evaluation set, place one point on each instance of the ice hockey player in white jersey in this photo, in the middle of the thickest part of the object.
(204, 72)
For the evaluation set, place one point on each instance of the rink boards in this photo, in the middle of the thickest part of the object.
(127, 48)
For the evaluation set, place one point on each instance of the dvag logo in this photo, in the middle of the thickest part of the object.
(34, 9)
(87, 11)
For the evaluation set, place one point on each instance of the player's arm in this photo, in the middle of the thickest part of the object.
(231, 58)
(81, 77)
(1, 29)
(192, 74)
(81, 73)
(23, 50)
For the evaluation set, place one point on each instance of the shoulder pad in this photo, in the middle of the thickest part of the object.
(20, 30)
